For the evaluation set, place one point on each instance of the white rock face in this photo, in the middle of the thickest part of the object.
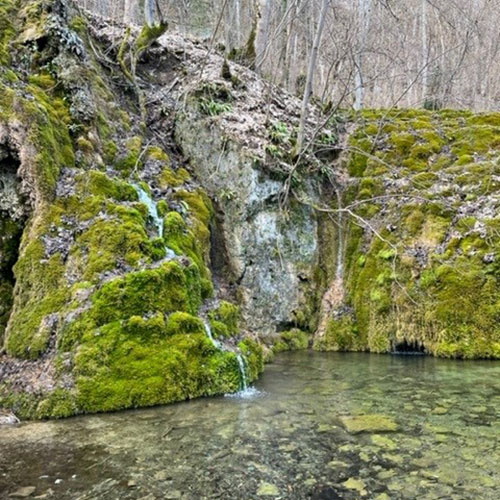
(270, 256)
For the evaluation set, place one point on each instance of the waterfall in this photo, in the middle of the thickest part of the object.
(334, 294)
(145, 198)
(339, 272)
(243, 372)
(153, 214)
(245, 391)
(208, 331)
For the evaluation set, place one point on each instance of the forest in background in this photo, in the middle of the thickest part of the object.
(373, 53)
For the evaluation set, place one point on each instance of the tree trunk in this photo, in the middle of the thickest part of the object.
(310, 74)
(264, 12)
(364, 16)
(425, 54)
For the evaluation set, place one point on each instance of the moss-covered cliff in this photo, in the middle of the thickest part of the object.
(102, 295)
(150, 196)
(422, 241)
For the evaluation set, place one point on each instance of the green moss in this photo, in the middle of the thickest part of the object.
(228, 315)
(292, 340)
(424, 180)
(169, 178)
(107, 242)
(402, 143)
(41, 290)
(99, 184)
(110, 150)
(183, 241)
(85, 145)
(181, 322)
(6, 298)
(43, 80)
(254, 358)
(147, 36)
(134, 373)
(60, 403)
(7, 31)
(131, 158)
(78, 24)
(162, 289)
(340, 335)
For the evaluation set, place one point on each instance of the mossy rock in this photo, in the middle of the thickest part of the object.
(292, 340)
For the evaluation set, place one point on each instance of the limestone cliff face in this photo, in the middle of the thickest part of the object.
(268, 256)
(128, 237)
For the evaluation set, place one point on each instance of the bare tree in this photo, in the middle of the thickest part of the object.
(310, 73)
(376, 47)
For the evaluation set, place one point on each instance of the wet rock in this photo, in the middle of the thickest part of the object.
(47, 494)
(267, 490)
(173, 495)
(383, 442)
(161, 475)
(8, 418)
(386, 474)
(397, 459)
(440, 410)
(24, 492)
(368, 423)
(336, 464)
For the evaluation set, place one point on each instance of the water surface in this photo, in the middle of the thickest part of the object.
(288, 441)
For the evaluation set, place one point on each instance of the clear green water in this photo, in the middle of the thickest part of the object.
(289, 441)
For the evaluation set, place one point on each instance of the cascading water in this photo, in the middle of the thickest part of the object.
(208, 331)
(245, 391)
(147, 200)
(339, 272)
(243, 372)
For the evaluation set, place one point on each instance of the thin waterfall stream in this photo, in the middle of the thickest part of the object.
(146, 199)
(339, 272)
(245, 390)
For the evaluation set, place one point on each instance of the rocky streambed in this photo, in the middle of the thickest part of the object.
(322, 425)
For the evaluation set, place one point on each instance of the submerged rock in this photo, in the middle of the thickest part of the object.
(24, 492)
(268, 490)
(369, 423)
(355, 484)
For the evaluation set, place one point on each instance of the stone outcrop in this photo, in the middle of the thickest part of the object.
(141, 231)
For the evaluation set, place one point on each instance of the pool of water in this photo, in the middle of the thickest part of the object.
(435, 435)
